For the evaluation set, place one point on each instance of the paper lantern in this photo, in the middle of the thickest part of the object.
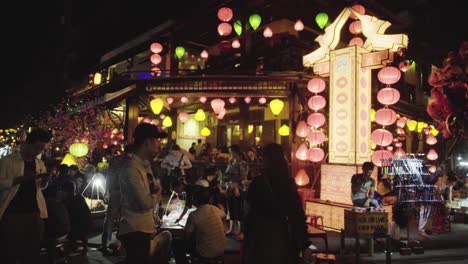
(156, 105)
(225, 14)
(224, 29)
(267, 32)
(389, 75)
(217, 105)
(434, 131)
(170, 100)
(156, 47)
(283, 130)
(221, 114)
(358, 8)
(385, 116)
(302, 130)
(155, 71)
(399, 153)
(204, 54)
(316, 85)
(372, 115)
(315, 137)
(316, 120)
(316, 102)
(380, 155)
(321, 19)
(411, 124)
(68, 160)
(431, 140)
(355, 27)
(247, 99)
(302, 152)
(316, 154)
(301, 178)
(232, 100)
(203, 99)
(276, 106)
(401, 122)
(404, 66)
(382, 137)
(179, 51)
(255, 20)
(156, 58)
(183, 117)
(200, 115)
(432, 155)
(356, 41)
(420, 126)
(97, 78)
(238, 27)
(79, 149)
(167, 121)
(184, 99)
(236, 44)
(205, 132)
(400, 131)
(432, 168)
(298, 26)
(250, 129)
(262, 100)
(388, 96)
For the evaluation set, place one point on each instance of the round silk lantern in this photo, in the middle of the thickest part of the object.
(379, 155)
(267, 32)
(357, 41)
(316, 102)
(302, 130)
(276, 106)
(248, 99)
(170, 100)
(316, 85)
(382, 137)
(404, 66)
(262, 100)
(389, 75)
(411, 124)
(385, 116)
(316, 120)
(321, 19)
(200, 115)
(156, 105)
(355, 27)
(316, 154)
(184, 99)
(432, 168)
(217, 105)
(204, 54)
(302, 152)
(156, 47)
(401, 122)
(203, 99)
(315, 137)
(225, 14)
(255, 20)
(221, 114)
(224, 29)
(358, 8)
(156, 58)
(167, 121)
(299, 26)
(432, 155)
(183, 117)
(388, 96)
(155, 71)
(236, 44)
(400, 153)
(301, 178)
(232, 100)
(283, 130)
(431, 140)
(79, 150)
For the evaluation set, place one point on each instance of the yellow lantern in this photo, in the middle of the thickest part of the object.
(79, 150)
(372, 115)
(276, 106)
(434, 131)
(200, 115)
(156, 105)
(205, 132)
(412, 125)
(283, 131)
(250, 129)
(97, 78)
(68, 160)
(420, 126)
(167, 121)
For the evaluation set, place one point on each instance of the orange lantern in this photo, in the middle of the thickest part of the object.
(385, 116)
(302, 152)
(267, 32)
(382, 137)
(316, 120)
(388, 96)
(316, 154)
(225, 14)
(156, 47)
(432, 155)
(302, 129)
(217, 105)
(357, 41)
(389, 75)
(301, 178)
(316, 102)
(156, 58)
(315, 137)
(299, 26)
(355, 27)
(358, 8)
(431, 140)
(224, 29)
(380, 155)
(316, 85)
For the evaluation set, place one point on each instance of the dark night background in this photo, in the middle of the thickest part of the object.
(37, 33)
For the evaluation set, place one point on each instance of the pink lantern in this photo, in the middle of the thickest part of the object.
(155, 71)
(389, 75)
(299, 26)
(432, 155)
(184, 99)
(316, 120)
(236, 44)
(302, 152)
(156, 58)
(232, 100)
(389, 147)
(262, 100)
(301, 178)
(169, 100)
(316, 85)
(432, 168)
(221, 114)
(183, 117)
(315, 137)
(399, 153)
(398, 144)
(217, 105)
(156, 47)
(380, 155)
(204, 54)
(302, 129)
(400, 131)
(224, 29)
(358, 8)
(355, 27)
(316, 154)
(388, 96)
(401, 122)
(317, 102)
(267, 33)
(385, 116)
(404, 66)
(356, 41)
(225, 14)
(247, 99)
(431, 140)
(382, 137)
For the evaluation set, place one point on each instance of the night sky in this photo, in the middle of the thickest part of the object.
(34, 38)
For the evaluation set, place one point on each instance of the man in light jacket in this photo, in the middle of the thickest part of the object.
(22, 205)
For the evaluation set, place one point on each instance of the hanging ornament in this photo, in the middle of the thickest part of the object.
(235, 44)
(200, 115)
(321, 19)
(316, 120)
(389, 75)
(404, 66)
(298, 26)
(167, 121)
(267, 32)
(247, 99)
(302, 130)
(255, 20)
(431, 140)
(432, 155)
(183, 117)
(432, 168)
(225, 14)
(203, 99)
(302, 152)
(156, 58)
(232, 100)
(217, 105)
(79, 149)
(283, 130)
(221, 114)
(315, 154)
(204, 54)
(205, 132)
(356, 41)
(156, 105)
(224, 29)
(380, 155)
(358, 8)
(355, 27)
(316, 85)
(382, 137)
(301, 178)
(238, 27)
(156, 47)
(388, 96)
(316, 102)
(385, 116)
(315, 137)
(170, 100)
(276, 106)
(179, 51)
(262, 100)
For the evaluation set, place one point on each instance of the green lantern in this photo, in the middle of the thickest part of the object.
(179, 51)
(321, 19)
(255, 21)
(238, 27)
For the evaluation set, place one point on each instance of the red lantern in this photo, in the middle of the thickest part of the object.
(432, 155)
(316, 154)
(225, 14)
(380, 155)
(358, 8)
(382, 137)
(431, 140)
(183, 117)
(388, 96)
(357, 41)
(302, 129)
(156, 58)
(400, 153)
(299, 26)
(316, 120)
(224, 29)
(217, 105)
(355, 27)
(156, 47)
(301, 178)
(317, 102)
(389, 75)
(302, 152)
(267, 33)
(316, 85)
(315, 137)
(385, 116)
